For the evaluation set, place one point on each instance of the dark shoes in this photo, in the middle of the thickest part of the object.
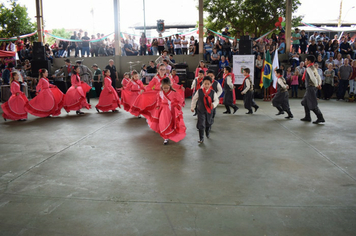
(256, 108)
(97, 110)
(308, 119)
(319, 120)
(226, 112)
(79, 112)
(235, 109)
(280, 113)
(249, 112)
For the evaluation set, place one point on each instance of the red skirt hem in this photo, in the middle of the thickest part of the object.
(78, 105)
(9, 114)
(109, 107)
(38, 113)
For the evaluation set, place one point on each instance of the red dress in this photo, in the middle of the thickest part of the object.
(130, 93)
(168, 119)
(14, 108)
(108, 100)
(146, 101)
(124, 82)
(75, 96)
(49, 100)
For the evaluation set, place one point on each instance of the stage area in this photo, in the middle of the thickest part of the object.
(109, 174)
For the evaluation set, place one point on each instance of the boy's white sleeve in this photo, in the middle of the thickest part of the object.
(193, 84)
(229, 82)
(219, 92)
(247, 86)
(216, 100)
(194, 101)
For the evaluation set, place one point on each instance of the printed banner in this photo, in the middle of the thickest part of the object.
(239, 63)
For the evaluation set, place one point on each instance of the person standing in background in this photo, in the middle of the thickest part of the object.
(113, 72)
(97, 81)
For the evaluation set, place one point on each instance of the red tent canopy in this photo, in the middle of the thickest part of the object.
(7, 53)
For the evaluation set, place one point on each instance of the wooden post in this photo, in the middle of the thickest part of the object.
(117, 27)
(288, 25)
(39, 20)
(201, 30)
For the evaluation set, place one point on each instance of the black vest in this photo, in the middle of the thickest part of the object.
(200, 103)
(215, 86)
(280, 88)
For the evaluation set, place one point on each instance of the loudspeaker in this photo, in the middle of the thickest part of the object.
(214, 68)
(40, 64)
(38, 51)
(245, 47)
(245, 37)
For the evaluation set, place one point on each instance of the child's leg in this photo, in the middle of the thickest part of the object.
(201, 126)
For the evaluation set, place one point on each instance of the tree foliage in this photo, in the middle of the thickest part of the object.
(254, 16)
(58, 32)
(14, 20)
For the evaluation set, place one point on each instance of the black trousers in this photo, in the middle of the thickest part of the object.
(204, 120)
(97, 86)
(61, 85)
(328, 91)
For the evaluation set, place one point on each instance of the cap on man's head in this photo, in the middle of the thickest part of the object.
(95, 65)
(78, 61)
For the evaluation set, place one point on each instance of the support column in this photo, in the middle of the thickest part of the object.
(117, 27)
(201, 30)
(39, 20)
(288, 25)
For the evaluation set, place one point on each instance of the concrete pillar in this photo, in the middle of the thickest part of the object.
(117, 27)
(201, 30)
(288, 25)
(39, 20)
(117, 36)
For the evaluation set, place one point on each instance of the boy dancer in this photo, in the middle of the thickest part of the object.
(312, 84)
(228, 86)
(206, 100)
(197, 82)
(217, 88)
(281, 99)
(247, 90)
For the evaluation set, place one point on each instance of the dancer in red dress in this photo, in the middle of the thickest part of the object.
(108, 100)
(167, 118)
(75, 96)
(14, 108)
(125, 80)
(132, 90)
(145, 103)
(49, 100)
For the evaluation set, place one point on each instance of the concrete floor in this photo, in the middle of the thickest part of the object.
(109, 174)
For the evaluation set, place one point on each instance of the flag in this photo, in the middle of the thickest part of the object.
(275, 66)
(266, 73)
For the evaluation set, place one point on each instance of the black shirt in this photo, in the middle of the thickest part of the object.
(312, 49)
(151, 70)
(85, 44)
(112, 71)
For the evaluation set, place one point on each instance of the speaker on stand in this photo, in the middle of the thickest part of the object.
(39, 60)
(245, 45)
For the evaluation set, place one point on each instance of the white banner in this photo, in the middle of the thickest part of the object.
(239, 63)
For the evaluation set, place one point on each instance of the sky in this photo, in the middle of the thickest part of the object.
(77, 14)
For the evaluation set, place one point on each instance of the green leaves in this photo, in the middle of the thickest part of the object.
(254, 16)
(14, 20)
